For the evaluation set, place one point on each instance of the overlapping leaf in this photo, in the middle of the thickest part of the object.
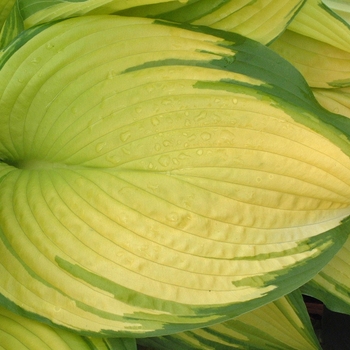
(30, 13)
(261, 20)
(322, 65)
(340, 7)
(156, 179)
(335, 100)
(5, 9)
(319, 22)
(287, 317)
(332, 284)
(20, 333)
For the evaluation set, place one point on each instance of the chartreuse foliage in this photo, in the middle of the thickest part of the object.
(5, 9)
(340, 7)
(335, 100)
(261, 20)
(332, 284)
(287, 317)
(159, 177)
(322, 65)
(316, 20)
(28, 13)
(20, 333)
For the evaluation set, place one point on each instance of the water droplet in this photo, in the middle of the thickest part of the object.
(227, 136)
(173, 217)
(113, 159)
(157, 147)
(150, 166)
(111, 74)
(205, 136)
(166, 102)
(336, 110)
(125, 136)
(200, 152)
(100, 146)
(153, 187)
(124, 217)
(155, 121)
(150, 88)
(35, 60)
(126, 150)
(183, 156)
(20, 80)
(57, 309)
(235, 101)
(230, 59)
(258, 179)
(50, 46)
(166, 143)
(138, 110)
(201, 116)
(164, 161)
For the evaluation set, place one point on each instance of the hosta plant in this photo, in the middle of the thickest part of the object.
(165, 178)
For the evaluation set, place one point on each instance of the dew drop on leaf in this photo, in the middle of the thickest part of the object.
(205, 136)
(35, 60)
(173, 217)
(100, 146)
(164, 161)
(201, 116)
(155, 121)
(111, 74)
(125, 136)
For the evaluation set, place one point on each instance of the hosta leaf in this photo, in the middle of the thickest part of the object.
(115, 6)
(29, 13)
(340, 7)
(12, 25)
(37, 12)
(261, 20)
(20, 333)
(121, 343)
(155, 179)
(319, 22)
(322, 65)
(335, 100)
(332, 284)
(283, 324)
(5, 9)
